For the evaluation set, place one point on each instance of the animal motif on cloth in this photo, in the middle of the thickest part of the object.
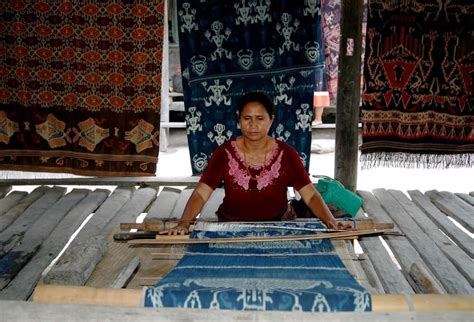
(418, 100)
(302, 275)
(229, 48)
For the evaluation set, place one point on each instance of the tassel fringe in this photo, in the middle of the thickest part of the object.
(416, 160)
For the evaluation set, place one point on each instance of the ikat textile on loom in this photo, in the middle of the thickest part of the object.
(304, 275)
(418, 100)
(228, 48)
(80, 85)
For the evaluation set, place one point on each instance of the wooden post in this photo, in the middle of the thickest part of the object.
(348, 93)
(165, 101)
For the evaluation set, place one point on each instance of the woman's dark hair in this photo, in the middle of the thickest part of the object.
(258, 97)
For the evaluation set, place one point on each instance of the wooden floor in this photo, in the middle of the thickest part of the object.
(434, 254)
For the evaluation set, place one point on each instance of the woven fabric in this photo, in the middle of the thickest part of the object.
(80, 86)
(331, 16)
(228, 48)
(418, 102)
(302, 275)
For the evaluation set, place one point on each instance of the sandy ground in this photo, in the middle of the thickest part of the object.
(175, 162)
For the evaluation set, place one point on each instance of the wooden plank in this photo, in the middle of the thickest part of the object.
(11, 200)
(107, 210)
(75, 266)
(455, 254)
(371, 274)
(346, 253)
(441, 220)
(347, 111)
(12, 214)
(422, 277)
(392, 279)
(452, 206)
(210, 208)
(21, 253)
(181, 203)
(163, 205)
(138, 203)
(116, 258)
(4, 190)
(28, 311)
(466, 197)
(112, 181)
(443, 269)
(126, 274)
(15, 232)
(78, 263)
(22, 286)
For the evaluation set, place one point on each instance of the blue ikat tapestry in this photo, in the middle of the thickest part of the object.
(228, 48)
(305, 275)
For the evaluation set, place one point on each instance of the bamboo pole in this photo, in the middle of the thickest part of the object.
(184, 239)
(63, 294)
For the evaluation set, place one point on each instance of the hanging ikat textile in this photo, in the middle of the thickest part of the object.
(418, 101)
(80, 86)
(331, 16)
(305, 275)
(228, 48)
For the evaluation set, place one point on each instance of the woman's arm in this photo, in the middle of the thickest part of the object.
(318, 207)
(198, 198)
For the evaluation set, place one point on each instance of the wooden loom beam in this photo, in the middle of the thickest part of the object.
(62, 294)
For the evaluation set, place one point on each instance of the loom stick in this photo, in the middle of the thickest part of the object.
(66, 294)
(161, 225)
(184, 239)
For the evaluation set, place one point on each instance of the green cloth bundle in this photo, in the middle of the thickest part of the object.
(334, 193)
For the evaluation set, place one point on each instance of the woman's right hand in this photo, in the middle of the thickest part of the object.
(182, 228)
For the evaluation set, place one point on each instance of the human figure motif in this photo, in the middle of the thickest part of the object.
(218, 40)
(217, 93)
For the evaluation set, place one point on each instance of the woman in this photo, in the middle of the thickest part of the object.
(257, 171)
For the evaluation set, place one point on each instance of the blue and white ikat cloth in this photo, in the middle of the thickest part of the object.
(298, 275)
(229, 48)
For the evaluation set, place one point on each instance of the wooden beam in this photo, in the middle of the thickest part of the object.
(109, 181)
(348, 93)
(62, 294)
(25, 311)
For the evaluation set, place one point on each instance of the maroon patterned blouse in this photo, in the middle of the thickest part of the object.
(254, 192)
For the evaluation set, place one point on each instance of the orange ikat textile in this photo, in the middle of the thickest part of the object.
(80, 86)
(418, 100)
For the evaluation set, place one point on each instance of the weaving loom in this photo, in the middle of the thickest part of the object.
(302, 275)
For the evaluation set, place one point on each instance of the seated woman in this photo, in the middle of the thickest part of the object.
(257, 171)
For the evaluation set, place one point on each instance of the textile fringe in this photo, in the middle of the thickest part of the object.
(416, 160)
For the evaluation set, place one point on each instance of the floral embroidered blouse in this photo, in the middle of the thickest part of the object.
(263, 197)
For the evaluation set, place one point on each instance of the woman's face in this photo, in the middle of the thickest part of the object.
(255, 122)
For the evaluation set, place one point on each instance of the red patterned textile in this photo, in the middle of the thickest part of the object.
(80, 86)
(418, 100)
(330, 17)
